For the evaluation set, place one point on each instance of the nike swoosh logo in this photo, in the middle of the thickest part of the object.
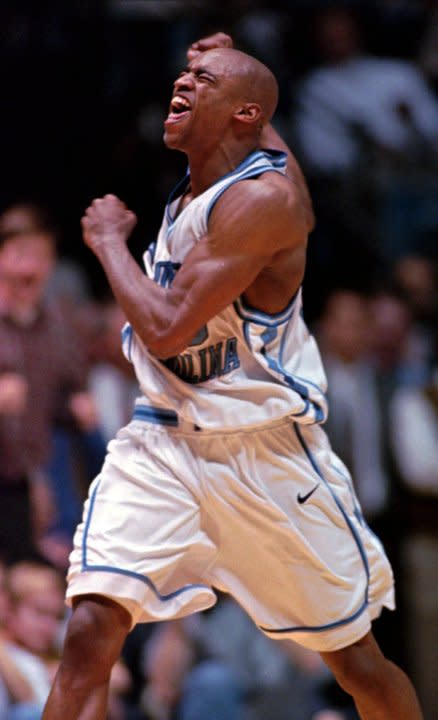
(303, 498)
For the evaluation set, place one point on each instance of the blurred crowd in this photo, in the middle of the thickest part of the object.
(86, 86)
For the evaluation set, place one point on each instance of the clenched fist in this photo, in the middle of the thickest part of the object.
(218, 40)
(107, 221)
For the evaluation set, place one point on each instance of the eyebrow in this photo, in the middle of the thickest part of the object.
(201, 71)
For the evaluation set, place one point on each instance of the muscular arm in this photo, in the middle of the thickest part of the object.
(253, 223)
(270, 139)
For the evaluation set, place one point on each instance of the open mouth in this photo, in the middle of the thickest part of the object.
(179, 108)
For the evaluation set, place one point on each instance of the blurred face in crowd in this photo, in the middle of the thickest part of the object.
(337, 35)
(35, 621)
(22, 217)
(391, 327)
(26, 263)
(418, 278)
(36, 609)
(345, 326)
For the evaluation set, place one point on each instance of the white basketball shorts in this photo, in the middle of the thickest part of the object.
(265, 514)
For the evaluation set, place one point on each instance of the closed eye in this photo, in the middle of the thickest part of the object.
(203, 74)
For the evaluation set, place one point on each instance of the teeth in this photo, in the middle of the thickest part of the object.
(180, 103)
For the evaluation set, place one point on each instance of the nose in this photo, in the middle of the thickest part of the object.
(184, 81)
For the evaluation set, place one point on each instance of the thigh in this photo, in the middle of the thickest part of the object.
(141, 539)
(294, 549)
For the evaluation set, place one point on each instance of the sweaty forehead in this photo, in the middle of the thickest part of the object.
(222, 62)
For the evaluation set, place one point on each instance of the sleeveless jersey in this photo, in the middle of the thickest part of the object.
(245, 367)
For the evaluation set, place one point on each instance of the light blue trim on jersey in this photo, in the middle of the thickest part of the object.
(150, 251)
(364, 605)
(127, 334)
(250, 173)
(259, 317)
(271, 322)
(357, 510)
(336, 499)
(158, 416)
(315, 629)
(273, 159)
(177, 191)
(302, 390)
(276, 160)
(86, 567)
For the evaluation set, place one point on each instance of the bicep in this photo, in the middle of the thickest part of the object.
(243, 239)
(207, 282)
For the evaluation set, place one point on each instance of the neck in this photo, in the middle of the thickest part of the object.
(206, 169)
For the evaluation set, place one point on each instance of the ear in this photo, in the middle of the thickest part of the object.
(248, 113)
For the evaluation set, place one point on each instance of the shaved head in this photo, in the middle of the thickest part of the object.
(253, 81)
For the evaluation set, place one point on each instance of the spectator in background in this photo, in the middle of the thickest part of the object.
(196, 668)
(417, 277)
(354, 424)
(111, 380)
(30, 638)
(353, 97)
(33, 626)
(14, 687)
(392, 339)
(366, 129)
(367, 346)
(414, 434)
(42, 382)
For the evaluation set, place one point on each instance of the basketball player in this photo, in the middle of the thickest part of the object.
(224, 478)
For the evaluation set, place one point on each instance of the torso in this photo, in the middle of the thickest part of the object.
(255, 361)
(277, 284)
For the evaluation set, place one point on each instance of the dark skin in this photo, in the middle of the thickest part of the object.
(255, 247)
(257, 235)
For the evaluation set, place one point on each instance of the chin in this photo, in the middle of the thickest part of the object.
(172, 142)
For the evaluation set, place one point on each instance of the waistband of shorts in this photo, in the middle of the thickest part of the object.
(163, 416)
(170, 418)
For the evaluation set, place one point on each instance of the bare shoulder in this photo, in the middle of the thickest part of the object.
(269, 203)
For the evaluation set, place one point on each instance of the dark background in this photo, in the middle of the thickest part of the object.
(85, 85)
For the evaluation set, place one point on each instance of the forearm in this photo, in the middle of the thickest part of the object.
(147, 306)
(271, 139)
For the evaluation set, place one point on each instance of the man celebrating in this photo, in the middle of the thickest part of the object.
(224, 478)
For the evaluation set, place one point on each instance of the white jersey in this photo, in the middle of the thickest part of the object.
(245, 367)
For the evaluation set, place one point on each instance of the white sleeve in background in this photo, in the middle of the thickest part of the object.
(415, 440)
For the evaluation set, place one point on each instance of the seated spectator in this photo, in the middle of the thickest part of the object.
(414, 433)
(366, 344)
(42, 384)
(33, 628)
(354, 424)
(417, 277)
(32, 631)
(14, 687)
(217, 665)
(111, 380)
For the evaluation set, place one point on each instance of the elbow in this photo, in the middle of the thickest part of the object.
(165, 346)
